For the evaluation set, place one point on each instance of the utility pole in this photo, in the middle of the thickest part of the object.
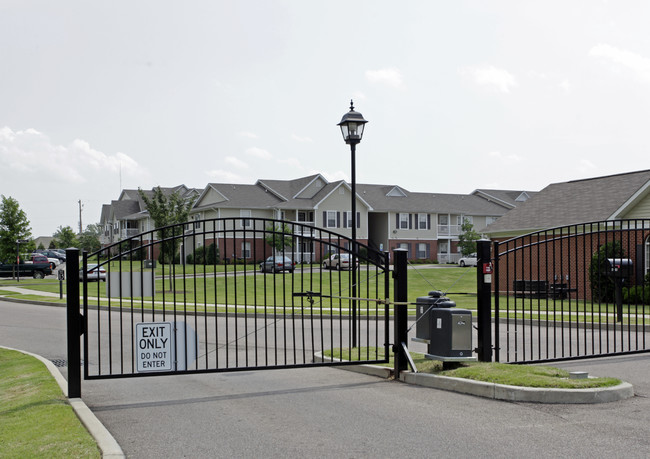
(80, 224)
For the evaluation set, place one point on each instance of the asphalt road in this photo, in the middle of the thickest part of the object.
(328, 412)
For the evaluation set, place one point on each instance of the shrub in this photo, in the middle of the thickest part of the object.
(602, 286)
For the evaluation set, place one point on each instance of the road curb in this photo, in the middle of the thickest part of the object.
(521, 394)
(496, 391)
(105, 441)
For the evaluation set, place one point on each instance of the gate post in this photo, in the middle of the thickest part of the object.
(484, 297)
(74, 323)
(400, 319)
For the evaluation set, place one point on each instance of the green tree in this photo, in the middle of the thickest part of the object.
(89, 239)
(168, 212)
(602, 286)
(278, 236)
(14, 226)
(467, 239)
(65, 237)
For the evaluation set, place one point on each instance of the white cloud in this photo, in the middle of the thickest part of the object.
(248, 135)
(565, 86)
(638, 64)
(513, 158)
(390, 77)
(586, 167)
(235, 162)
(490, 76)
(300, 139)
(258, 153)
(220, 175)
(32, 151)
(293, 162)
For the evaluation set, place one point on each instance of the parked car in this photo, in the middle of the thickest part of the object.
(36, 270)
(42, 258)
(51, 253)
(276, 264)
(94, 273)
(468, 260)
(338, 261)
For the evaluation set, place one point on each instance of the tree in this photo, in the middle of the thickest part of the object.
(65, 237)
(14, 226)
(168, 212)
(602, 286)
(89, 239)
(279, 236)
(468, 237)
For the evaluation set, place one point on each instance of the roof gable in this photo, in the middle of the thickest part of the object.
(577, 201)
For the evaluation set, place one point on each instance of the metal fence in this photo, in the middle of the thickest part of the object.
(226, 295)
(572, 292)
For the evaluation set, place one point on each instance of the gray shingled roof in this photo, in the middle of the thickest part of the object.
(463, 204)
(507, 197)
(568, 203)
(244, 196)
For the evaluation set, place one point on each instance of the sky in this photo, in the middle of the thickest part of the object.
(97, 96)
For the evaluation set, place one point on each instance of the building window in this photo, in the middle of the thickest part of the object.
(406, 246)
(246, 222)
(246, 249)
(197, 222)
(423, 221)
(489, 220)
(404, 221)
(331, 219)
(348, 219)
(443, 220)
(423, 251)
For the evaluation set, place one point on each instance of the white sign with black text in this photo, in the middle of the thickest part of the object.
(165, 346)
(154, 345)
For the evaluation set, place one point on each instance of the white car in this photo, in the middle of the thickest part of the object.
(467, 260)
(338, 261)
(94, 273)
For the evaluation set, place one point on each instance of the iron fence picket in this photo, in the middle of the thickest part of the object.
(243, 327)
(560, 305)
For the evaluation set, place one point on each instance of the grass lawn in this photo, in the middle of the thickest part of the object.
(253, 288)
(541, 376)
(35, 417)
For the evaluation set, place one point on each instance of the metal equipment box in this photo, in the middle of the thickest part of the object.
(423, 306)
(451, 333)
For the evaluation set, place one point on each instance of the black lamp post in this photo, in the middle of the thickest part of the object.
(352, 125)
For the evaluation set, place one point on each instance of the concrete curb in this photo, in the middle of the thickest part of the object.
(495, 391)
(372, 370)
(521, 394)
(105, 441)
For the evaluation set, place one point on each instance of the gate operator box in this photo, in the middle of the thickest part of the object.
(424, 305)
(447, 331)
(451, 333)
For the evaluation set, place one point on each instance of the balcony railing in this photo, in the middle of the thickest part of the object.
(128, 232)
(449, 230)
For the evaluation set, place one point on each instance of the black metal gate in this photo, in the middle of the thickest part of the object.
(572, 292)
(231, 294)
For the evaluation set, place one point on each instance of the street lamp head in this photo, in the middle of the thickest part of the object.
(352, 125)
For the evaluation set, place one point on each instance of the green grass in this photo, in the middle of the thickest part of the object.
(256, 288)
(540, 376)
(35, 418)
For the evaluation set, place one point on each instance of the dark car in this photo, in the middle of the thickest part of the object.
(277, 264)
(52, 254)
